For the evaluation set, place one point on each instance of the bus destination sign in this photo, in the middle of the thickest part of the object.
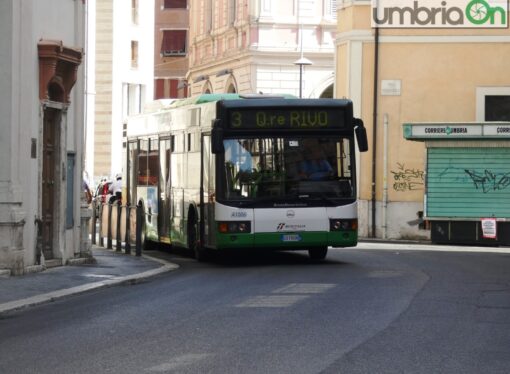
(287, 119)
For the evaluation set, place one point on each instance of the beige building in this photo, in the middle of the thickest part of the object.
(423, 75)
(253, 46)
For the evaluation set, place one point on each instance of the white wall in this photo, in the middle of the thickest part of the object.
(124, 31)
(23, 23)
(90, 88)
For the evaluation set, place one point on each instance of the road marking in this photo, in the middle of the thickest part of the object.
(384, 274)
(280, 301)
(107, 276)
(178, 362)
(397, 246)
(305, 288)
(287, 295)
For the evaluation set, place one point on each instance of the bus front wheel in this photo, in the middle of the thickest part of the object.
(318, 253)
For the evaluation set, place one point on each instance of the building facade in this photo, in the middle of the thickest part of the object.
(413, 75)
(42, 126)
(124, 71)
(254, 46)
(171, 33)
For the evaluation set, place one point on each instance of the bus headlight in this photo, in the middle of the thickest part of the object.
(343, 224)
(234, 227)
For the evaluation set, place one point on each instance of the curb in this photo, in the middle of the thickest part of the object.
(59, 294)
(394, 241)
(418, 246)
(5, 273)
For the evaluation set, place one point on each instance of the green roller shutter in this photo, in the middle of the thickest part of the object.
(468, 182)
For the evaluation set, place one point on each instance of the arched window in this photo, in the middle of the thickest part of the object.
(327, 93)
(207, 89)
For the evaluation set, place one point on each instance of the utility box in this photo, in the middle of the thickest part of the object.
(467, 179)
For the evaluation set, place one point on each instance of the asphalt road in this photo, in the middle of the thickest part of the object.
(366, 310)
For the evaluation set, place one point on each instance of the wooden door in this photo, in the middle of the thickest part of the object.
(50, 157)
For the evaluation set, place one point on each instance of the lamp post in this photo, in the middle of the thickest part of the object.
(301, 62)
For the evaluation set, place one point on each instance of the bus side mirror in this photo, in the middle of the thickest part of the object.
(361, 135)
(217, 140)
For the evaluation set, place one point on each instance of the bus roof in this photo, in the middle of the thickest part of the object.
(208, 98)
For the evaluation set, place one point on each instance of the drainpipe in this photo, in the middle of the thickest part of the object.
(385, 179)
(374, 126)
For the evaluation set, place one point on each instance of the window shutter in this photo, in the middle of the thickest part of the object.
(169, 4)
(173, 88)
(174, 42)
(160, 89)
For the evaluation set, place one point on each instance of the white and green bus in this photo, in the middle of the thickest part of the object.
(229, 171)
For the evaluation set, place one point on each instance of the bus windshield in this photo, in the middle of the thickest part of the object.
(280, 168)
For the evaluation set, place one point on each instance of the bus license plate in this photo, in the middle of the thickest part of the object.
(291, 238)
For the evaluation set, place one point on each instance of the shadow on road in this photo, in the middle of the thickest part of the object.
(249, 257)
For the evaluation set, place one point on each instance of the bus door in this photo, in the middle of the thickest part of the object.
(147, 187)
(164, 198)
(207, 177)
(177, 177)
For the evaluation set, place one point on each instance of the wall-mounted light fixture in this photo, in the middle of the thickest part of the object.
(224, 72)
(182, 84)
(201, 78)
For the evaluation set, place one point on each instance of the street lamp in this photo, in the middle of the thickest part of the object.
(301, 62)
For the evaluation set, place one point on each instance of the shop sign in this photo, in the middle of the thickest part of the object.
(489, 228)
(426, 14)
(445, 131)
(498, 130)
(457, 130)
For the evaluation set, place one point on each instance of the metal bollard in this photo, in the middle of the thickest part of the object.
(101, 239)
(127, 245)
(94, 221)
(118, 239)
(139, 218)
(109, 244)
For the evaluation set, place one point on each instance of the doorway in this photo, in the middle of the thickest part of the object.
(50, 150)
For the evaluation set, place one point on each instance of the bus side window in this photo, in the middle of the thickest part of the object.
(142, 162)
(153, 164)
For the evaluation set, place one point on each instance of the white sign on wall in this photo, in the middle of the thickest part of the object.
(391, 87)
(489, 228)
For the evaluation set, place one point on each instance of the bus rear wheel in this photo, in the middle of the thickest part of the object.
(199, 253)
(141, 234)
(318, 253)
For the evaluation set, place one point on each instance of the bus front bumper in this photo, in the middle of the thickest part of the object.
(287, 240)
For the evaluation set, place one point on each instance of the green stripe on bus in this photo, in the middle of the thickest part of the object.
(306, 240)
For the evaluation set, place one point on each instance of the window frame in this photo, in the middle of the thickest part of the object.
(481, 93)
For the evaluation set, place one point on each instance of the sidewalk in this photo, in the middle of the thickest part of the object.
(111, 268)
